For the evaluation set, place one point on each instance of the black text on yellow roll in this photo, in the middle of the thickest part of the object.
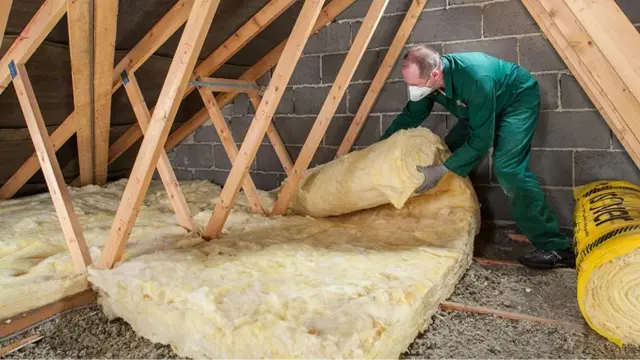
(607, 246)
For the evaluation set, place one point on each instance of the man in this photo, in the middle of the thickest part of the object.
(497, 104)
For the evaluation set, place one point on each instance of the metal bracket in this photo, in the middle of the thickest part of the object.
(12, 70)
(124, 77)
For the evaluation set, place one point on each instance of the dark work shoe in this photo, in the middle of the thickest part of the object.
(548, 259)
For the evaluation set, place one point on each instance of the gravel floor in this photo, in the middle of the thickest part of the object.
(87, 333)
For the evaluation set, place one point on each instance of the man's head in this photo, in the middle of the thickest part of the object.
(422, 71)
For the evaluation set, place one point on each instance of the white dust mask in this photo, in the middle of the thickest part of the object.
(417, 93)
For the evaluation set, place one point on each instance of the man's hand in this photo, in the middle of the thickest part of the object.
(432, 174)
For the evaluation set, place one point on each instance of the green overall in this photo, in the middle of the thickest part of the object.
(497, 104)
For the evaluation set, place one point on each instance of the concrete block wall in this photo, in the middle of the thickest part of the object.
(572, 146)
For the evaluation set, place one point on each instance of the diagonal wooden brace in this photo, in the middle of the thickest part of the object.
(50, 168)
(230, 147)
(274, 136)
(163, 116)
(330, 105)
(389, 61)
(290, 56)
(171, 184)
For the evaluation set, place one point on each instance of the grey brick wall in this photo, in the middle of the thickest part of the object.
(572, 145)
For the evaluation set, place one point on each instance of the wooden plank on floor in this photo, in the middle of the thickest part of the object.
(274, 137)
(339, 87)
(290, 56)
(23, 321)
(389, 61)
(81, 51)
(169, 100)
(481, 310)
(328, 14)
(169, 180)
(31, 37)
(51, 169)
(230, 147)
(104, 30)
(5, 10)
(20, 344)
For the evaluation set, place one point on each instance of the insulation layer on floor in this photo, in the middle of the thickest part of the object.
(358, 286)
(35, 265)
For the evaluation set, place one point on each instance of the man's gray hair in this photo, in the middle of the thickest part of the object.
(426, 58)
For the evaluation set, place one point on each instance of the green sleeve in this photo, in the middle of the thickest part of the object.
(482, 115)
(413, 114)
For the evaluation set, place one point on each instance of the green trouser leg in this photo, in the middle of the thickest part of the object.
(512, 151)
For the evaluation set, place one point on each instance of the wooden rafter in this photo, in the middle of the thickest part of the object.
(31, 37)
(80, 48)
(587, 63)
(171, 185)
(163, 29)
(330, 105)
(104, 34)
(282, 73)
(230, 147)
(5, 10)
(389, 61)
(126, 140)
(274, 136)
(50, 168)
(182, 65)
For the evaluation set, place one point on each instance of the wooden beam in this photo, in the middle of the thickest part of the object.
(81, 50)
(20, 344)
(274, 136)
(589, 66)
(212, 63)
(5, 10)
(163, 116)
(293, 49)
(225, 85)
(330, 105)
(23, 321)
(481, 310)
(329, 13)
(51, 169)
(410, 20)
(58, 138)
(171, 184)
(158, 35)
(104, 33)
(615, 36)
(31, 37)
(230, 147)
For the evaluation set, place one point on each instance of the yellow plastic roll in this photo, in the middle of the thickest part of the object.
(607, 245)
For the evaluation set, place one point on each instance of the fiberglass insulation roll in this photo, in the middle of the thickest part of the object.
(384, 172)
(607, 245)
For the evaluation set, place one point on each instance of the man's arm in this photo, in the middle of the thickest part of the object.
(482, 118)
(413, 114)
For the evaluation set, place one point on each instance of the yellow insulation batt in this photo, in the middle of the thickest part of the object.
(362, 286)
(607, 244)
(382, 173)
(35, 265)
